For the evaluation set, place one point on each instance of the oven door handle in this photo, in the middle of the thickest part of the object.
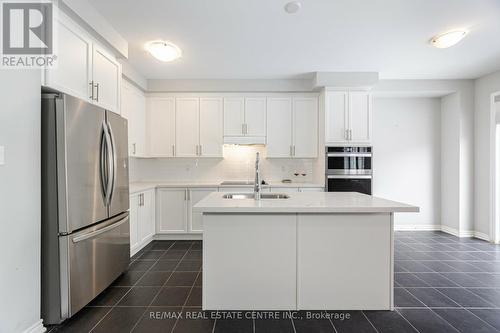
(349, 154)
(349, 176)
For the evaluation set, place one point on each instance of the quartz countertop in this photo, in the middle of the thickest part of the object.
(304, 202)
(135, 187)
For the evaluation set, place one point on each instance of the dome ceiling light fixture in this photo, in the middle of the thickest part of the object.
(448, 39)
(163, 50)
(293, 7)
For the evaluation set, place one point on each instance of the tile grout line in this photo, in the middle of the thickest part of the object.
(189, 294)
(159, 290)
(130, 289)
(369, 321)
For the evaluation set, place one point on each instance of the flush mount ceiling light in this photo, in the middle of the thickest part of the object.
(293, 7)
(448, 39)
(163, 50)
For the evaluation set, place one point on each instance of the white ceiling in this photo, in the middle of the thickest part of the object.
(256, 39)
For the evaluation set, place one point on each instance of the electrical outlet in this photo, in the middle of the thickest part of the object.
(2, 155)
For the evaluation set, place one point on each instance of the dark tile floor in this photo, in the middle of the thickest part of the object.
(442, 284)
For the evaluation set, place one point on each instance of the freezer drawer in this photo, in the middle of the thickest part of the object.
(96, 257)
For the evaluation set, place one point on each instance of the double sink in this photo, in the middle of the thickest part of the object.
(242, 196)
(252, 196)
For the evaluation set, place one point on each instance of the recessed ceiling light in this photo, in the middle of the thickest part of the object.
(293, 7)
(448, 39)
(163, 50)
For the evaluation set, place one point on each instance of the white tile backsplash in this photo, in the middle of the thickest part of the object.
(238, 164)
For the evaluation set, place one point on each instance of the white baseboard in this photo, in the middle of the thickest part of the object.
(482, 236)
(417, 227)
(443, 228)
(36, 327)
(136, 249)
(178, 236)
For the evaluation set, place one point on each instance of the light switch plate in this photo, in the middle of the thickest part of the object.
(2, 155)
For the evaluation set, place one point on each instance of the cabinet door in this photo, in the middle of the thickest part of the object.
(360, 116)
(134, 110)
(279, 127)
(284, 189)
(171, 208)
(234, 116)
(196, 218)
(336, 115)
(161, 126)
(255, 116)
(187, 127)
(134, 222)
(211, 127)
(74, 63)
(147, 217)
(305, 127)
(232, 189)
(106, 74)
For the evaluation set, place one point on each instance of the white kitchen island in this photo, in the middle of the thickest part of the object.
(311, 251)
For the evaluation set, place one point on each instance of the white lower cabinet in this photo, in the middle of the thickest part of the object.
(142, 219)
(196, 218)
(175, 210)
(172, 210)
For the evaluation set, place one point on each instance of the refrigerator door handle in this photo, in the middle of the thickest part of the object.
(99, 231)
(113, 162)
(109, 161)
(102, 164)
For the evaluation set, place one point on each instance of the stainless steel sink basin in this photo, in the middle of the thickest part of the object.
(252, 196)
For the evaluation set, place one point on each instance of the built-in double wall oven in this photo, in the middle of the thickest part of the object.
(349, 169)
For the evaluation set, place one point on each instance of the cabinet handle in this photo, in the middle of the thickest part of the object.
(350, 135)
(91, 90)
(346, 134)
(201, 150)
(185, 195)
(293, 150)
(97, 95)
(197, 150)
(246, 128)
(173, 150)
(134, 149)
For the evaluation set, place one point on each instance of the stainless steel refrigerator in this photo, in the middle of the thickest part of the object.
(85, 202)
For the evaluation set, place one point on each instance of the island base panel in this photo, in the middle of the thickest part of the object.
(344, 262)
(249, 262)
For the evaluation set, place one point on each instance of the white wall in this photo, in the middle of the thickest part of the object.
(484, 151)
(20, 200)
(238, 164)
(407, 148)
(450, 158)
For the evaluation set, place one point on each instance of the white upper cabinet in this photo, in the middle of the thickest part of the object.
(73, 73)
(234, 116)
(255, 116)
(305, 127)
(279, 127)
(348, 117)
(245, 120)
(292, 127)
(84, 69)
(187, 124)
(360, 117)
(336, 117)
(211, 127)
(161, 126)
(106, 75)
(134, 110)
